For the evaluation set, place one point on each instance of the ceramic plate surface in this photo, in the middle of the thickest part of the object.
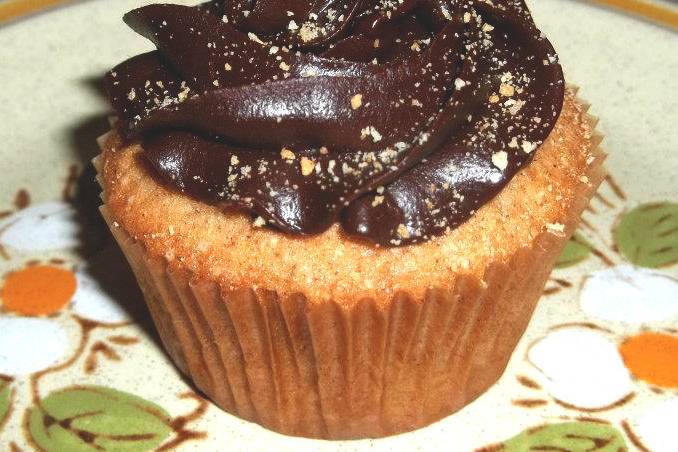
(596, 370)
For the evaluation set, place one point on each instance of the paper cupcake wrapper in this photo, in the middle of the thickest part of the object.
(320, 369)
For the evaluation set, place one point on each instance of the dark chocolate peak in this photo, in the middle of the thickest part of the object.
(397, 118)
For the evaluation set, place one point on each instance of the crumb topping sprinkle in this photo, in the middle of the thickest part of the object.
(399, 119)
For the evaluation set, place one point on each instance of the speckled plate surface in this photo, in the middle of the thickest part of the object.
(81, 368)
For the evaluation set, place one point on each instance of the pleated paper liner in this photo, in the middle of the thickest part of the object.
(321, 369)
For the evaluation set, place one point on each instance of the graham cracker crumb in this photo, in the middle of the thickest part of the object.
(555, 228)
(307, 166)
(403, 232)
(287, 154)
(356, 101)
(506, 90)
(370, 131)
(500, 160)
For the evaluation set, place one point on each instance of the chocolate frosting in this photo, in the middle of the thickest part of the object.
(398, 118)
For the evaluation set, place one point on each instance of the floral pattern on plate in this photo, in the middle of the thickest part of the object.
(59, 312)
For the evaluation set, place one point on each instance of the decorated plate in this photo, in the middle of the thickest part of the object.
(81, 368)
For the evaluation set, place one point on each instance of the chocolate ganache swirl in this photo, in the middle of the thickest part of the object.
(397, 118)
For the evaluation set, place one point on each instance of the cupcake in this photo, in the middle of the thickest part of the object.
(342, 217)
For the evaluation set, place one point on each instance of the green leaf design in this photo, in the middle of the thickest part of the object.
(576, 251)
(648, 235)
(570, 436)
(5, 400)
(89, 418)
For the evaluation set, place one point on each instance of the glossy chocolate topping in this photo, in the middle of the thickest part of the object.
(398, 118)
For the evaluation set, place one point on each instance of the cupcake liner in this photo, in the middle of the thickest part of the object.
(321, 369)
(328, 371)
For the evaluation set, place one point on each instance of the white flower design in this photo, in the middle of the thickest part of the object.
(630, 295)
(47, 226)
(29, 345)
(581, 367)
